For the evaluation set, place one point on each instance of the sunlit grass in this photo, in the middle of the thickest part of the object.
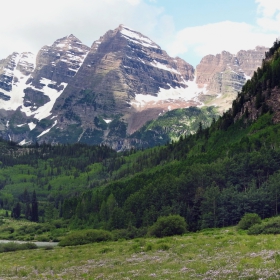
(213, 254)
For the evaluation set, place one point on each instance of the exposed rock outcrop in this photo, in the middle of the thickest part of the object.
(224, 75)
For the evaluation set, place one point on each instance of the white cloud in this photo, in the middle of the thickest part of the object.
(28, 25)
(216, 37)
(230, 36)
(268, 8)
(269, 15)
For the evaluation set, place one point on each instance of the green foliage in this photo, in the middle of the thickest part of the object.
(248, 220)
(85, 237)
(168, 226)
(12, 246)
(173, 125)
(272, 226)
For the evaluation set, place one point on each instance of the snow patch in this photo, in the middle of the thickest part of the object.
(136, 38)
(45, 110)
(247, 77)
(23, 142)
(31, 125)
(171, 94)
(163, 67)
(47, 130)
(17, 94)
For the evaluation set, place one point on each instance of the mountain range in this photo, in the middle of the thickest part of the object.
(108, 92)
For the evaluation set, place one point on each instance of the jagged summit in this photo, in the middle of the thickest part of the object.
(137, 37)
(102, 93)
(67, 41)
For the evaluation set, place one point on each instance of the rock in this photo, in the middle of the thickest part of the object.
(224, 75)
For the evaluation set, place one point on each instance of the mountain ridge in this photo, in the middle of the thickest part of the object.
(123, 80)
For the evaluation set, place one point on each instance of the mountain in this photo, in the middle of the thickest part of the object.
(224, 75)
(104, 93)
(211, 178)
(172, 126)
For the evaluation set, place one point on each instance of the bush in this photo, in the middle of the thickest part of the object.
(168, 226)
(129, 233)
(85, 237)
(248, 220)
(12, 246)
(272, 226)
(8, 229)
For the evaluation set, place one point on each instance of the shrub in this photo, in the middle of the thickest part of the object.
(129, 233)
(8, 229)
(272, 226)
(85, 237)
(12, 246)
(248, 220)
(168, 226)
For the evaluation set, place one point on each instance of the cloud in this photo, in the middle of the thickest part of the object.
(269, 15)
(268, 8)
(196, 42)
(28, 25)
(216, 37)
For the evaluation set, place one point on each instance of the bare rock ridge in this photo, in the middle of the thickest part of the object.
(70, 92)
(224, 74)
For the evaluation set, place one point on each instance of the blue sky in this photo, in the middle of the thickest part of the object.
(189, 29)
(199, 12)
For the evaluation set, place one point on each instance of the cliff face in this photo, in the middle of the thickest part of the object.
(121, 66)
(100, 94)
(224, 75)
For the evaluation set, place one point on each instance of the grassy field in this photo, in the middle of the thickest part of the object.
(212, 254)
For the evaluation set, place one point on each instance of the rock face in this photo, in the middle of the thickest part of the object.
(224, 75)
(102, 94)
(121, 66)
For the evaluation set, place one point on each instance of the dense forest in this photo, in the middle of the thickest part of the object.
(210, 178)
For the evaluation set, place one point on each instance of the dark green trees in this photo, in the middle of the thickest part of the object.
(34, 208)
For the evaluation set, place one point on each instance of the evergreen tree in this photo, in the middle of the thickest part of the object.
(16, 211)
(34, 208)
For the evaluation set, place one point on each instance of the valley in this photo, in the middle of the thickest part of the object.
(188, 177)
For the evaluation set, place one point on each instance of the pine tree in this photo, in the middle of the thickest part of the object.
(16, 211)
(34, 208)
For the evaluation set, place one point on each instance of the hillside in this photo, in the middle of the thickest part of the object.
(172, 125)
(210, 178)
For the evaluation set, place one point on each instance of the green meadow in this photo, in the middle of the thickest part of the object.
(225, 253)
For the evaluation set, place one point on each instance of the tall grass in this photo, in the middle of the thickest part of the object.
(211, 254)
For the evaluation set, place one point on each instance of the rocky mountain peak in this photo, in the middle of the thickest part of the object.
(137, 37)
(67, 42)
(106, 92)
(224, 74)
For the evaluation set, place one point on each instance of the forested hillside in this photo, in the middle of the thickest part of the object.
(210, 178)
(170, 126)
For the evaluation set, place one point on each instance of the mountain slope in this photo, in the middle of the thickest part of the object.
(173, 125)
(211, 178)
(71, 93)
